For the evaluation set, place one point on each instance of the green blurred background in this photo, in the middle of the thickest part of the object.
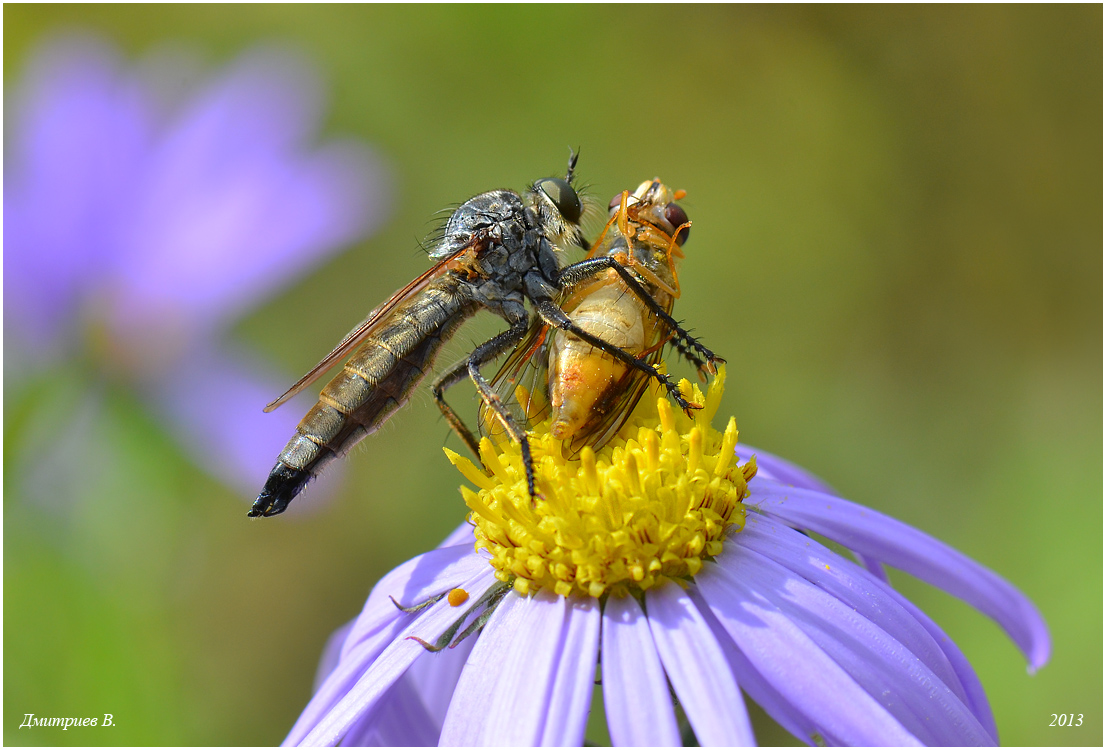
(897, 246)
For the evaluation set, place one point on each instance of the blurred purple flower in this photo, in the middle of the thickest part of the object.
(825, 646)
(145, 211)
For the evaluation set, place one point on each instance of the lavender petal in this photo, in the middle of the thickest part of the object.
(332, 650)
(871, 533)
(461, 535)
(503, 693)
(694, 661)
(435, 678)
(400, 719)
(773, 467)
(325, 722)
(759, 689)
(635, 691)
(566, 717)
(381, 622)
(797, 668)
(889, 672)
(415, 581)
(975, 696)
(843, 579)
(873, 566)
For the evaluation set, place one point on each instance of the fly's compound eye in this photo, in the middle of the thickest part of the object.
(563, 197)
(615, 203)
(676, 216)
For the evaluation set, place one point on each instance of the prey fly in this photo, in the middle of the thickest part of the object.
(587, 393)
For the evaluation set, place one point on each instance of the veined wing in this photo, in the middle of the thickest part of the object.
(521, 383)
(357, 336)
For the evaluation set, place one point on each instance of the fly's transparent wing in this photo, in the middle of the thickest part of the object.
(521, 384)
(366, 327)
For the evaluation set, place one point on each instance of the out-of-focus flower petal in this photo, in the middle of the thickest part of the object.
(214, 399)
(566, 715)
(710, 697)
(636, 697)
(796, 667)
(503, 692)
(138, 227)
(235, 202)
(80, 134)
(904, 547)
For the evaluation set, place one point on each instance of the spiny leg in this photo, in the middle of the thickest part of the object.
(585, 269)
(702, 367)
(557, 317)
(692, 357)
(448, 379)
(483, 354)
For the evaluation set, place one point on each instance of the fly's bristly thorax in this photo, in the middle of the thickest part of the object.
(477, 214)
(652, 505)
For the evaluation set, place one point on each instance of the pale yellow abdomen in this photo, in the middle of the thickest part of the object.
(580, 374)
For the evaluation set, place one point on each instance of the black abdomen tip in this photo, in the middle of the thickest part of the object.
(283, 484)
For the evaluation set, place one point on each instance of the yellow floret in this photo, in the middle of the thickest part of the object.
(649, 506)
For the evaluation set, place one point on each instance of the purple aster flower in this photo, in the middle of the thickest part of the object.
(148, 208)
(677, 570)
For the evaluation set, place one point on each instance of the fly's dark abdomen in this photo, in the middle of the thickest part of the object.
(283, 484)
(375, 382)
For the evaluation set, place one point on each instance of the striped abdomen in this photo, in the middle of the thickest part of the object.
(375, 382)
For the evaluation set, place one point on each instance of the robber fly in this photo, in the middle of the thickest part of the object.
(587, 393)
(498, 250)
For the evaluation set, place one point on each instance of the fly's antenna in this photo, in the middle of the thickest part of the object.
(572, 157)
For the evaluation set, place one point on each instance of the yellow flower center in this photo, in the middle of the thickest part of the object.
(649, 506)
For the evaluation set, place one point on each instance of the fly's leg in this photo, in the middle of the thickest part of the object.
(448, 379)
(555, 316)
(693, 358)
(483, 354)
(685, 343)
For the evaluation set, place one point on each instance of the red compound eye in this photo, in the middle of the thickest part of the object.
(676, 216)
